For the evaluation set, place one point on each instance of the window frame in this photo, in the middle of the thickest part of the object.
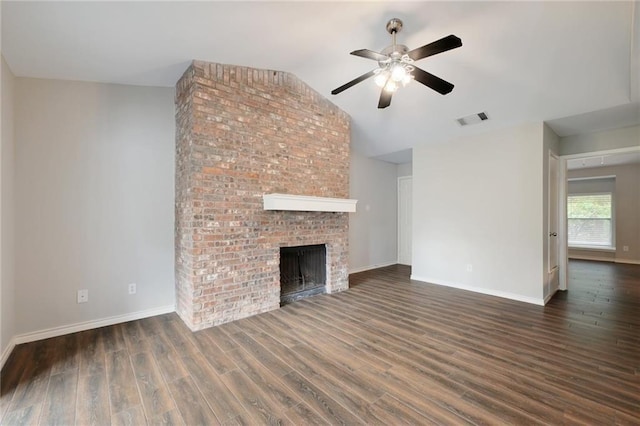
(596, 247)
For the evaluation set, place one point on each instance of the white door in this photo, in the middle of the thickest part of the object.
(405, 197)
(552, 238)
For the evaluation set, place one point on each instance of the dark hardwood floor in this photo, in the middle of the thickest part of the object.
(388, 351)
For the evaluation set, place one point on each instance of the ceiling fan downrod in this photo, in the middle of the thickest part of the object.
(396, 69)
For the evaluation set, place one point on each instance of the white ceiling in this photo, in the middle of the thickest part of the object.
(520, 61)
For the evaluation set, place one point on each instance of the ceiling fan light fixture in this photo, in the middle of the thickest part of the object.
(391, 77)
(381, 78)
(398, 72)
(391, 86)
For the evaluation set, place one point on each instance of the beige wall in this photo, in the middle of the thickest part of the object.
(627, 212)
(478, 200)
(625, 137)
(405, 169)
(94, 203)
(373, 227)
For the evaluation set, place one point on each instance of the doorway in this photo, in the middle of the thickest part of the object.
(562, 203)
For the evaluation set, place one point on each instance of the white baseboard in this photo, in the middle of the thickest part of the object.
(595, 258)
(487, 291)
(88, 325)
(370, 267)
(628, 261)
(605, 259)
(7, 351)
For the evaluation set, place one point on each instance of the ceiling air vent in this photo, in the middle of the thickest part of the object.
(472, 119)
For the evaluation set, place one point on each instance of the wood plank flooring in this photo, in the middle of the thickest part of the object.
(388, 351)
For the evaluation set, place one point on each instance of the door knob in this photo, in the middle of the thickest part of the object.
(553, 234)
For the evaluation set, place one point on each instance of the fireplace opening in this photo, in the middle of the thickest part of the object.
(302, 272)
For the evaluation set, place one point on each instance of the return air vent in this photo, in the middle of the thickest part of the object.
(472, 119)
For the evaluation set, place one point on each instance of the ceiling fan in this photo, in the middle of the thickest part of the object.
(395, 65)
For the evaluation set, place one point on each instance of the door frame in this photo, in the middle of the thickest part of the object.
(563, 247)
(549, 214)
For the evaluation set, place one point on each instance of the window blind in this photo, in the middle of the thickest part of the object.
(590, 219)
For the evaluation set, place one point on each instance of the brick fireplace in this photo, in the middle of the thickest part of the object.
(242, 133)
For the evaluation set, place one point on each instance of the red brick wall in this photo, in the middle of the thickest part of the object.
(242, 133)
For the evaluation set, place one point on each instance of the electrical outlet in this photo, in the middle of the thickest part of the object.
(625, 248)
(132, 288)
(469, 267)
(83, 296)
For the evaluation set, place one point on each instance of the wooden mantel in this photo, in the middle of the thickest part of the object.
(308, 204)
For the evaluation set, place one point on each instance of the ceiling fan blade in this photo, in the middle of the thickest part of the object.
(370, 54)
(353, 82)
(436, 83)
(385, 99)
(447, 43)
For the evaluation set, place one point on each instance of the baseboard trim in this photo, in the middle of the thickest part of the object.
(606, 259)
(628, 261)
(370, 267)
(7, 351)
(594, 258)
(487, 291)
(88, 325)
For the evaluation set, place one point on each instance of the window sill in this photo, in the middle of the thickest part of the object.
(593, 248)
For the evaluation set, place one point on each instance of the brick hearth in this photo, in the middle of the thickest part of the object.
(242, 133)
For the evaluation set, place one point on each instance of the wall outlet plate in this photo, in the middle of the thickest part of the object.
(132, 288)
(625, 248)
(469, 267)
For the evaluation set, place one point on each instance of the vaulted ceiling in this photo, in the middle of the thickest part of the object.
(572, 64)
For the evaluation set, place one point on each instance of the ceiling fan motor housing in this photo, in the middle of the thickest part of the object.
(396, 53)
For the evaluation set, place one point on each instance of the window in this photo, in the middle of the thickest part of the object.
(590, 219)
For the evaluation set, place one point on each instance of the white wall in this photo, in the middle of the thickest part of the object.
(625, 137)
(405, 169)
(478, 200)
(94, 202)
(373, 228)
(7, 286)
